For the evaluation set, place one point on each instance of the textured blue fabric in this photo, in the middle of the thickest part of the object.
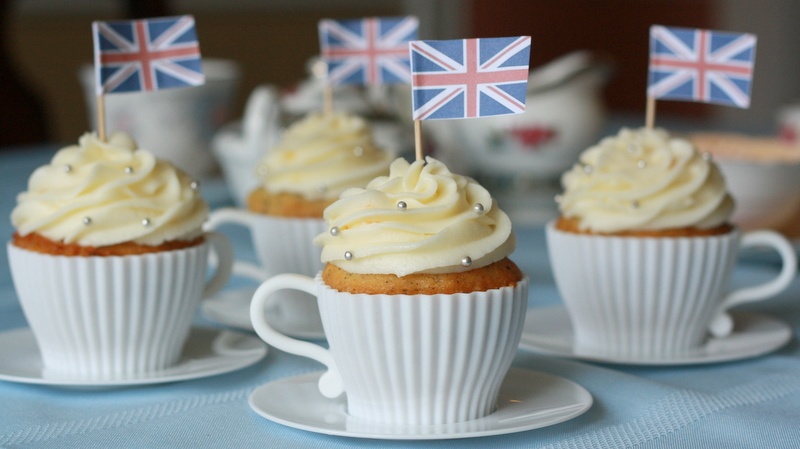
(748, 403)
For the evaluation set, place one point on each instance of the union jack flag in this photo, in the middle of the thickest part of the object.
(701, 65)
(146, 55)
(367, 51)
(469, 77)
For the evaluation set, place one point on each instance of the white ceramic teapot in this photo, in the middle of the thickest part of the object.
(564, 115)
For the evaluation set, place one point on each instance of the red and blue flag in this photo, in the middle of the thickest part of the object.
(701, 65)
(367, 51)
(146, 55)
(469, 77)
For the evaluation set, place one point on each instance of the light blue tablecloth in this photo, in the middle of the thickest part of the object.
(748, 403)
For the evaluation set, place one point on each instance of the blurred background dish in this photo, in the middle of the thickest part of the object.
(520, 158)
(174, 124)
(240, 145)
(762, 174)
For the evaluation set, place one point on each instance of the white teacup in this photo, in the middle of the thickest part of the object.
(407, 359)
(116, 317)
(650, 297)
(282, 245)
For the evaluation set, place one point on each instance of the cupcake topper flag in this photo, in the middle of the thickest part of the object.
(367, 51)
(699, 65)
(468, 78)
(144, 55)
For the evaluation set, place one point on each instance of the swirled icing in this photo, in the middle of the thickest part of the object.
(644, 180)
(421, 218)
(104, 193)
(322, 155)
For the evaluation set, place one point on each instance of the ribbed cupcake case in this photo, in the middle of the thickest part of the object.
(109, 317)
(641, 297)
(423, 359)
(282, 245)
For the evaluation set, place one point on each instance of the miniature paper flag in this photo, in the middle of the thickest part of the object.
(146, 55)
(701, 65)
(469, 77)
(367, 51)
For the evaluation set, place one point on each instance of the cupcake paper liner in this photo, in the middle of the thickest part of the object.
(109, 317)
(423, 359)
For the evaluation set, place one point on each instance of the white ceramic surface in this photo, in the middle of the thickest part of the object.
(655, 297)
(174, 124)
(282, 245)
(232, 307)
(527, 400)
(207, 352)
(548, 330)
(767, 194)
(564, 115)
(110, 318)
(407, 359)
(240, 145)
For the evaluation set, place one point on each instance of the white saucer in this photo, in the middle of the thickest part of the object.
(528, 400)
(232, 307)
(549, 330)
(207, 352)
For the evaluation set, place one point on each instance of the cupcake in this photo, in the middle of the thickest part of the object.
(644, 183)
(643, 250)
(421, 305)
(109, 259)
(419, 230)
(316, 160)
(108, 199)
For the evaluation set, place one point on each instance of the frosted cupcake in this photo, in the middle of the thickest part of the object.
(421, 305)
(109, 259)
(419, 230)
(316, 160)
(643, 250)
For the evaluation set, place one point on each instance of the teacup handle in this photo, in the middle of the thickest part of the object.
(330, 384)
(722, 325)
(230, 215)
(224, 253)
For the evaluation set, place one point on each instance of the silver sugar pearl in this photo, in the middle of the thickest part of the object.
(358, 151)
(322, 189)
(635, 204)
(466, 261)
(632, 148)
(348, 255)
(588, 169)
(67, 168)
(194, 185)
(129, 169)
(641, 163)
(87, 221)
(335, 231)
(146, 222)
(478, 208)
(401, 205)
(558, 198)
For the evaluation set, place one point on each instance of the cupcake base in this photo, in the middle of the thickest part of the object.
(285, 204)
(573, 226)
(503, 273)
(40, 244)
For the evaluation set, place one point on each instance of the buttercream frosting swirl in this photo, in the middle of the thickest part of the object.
(641, 179)
(322, 155)
(103, 193)
(421, 218)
